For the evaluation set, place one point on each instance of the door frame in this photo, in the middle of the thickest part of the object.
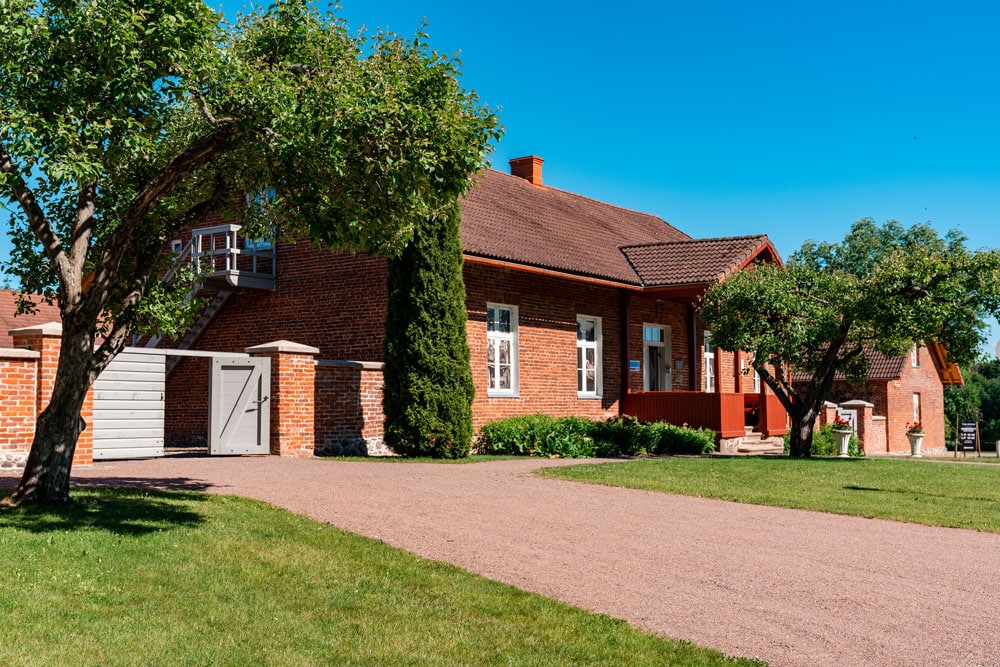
(667, 347)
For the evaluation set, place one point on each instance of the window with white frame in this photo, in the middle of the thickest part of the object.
(915, 356)
(709, 359)
(501, 350)
(588, 356)
(916, 408)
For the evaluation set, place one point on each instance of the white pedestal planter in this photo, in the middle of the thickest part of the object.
(843, 440)
(916, 440)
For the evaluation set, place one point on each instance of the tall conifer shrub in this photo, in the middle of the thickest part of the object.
(428, 383)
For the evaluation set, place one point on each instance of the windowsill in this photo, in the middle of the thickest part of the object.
(593, 397)
(505, 394)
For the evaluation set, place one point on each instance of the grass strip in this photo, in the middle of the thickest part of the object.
(129, 577)
(927, 492)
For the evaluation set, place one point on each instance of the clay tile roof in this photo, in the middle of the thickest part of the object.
(8, 306)
(692, 261)
(880, 367)
(506, 218)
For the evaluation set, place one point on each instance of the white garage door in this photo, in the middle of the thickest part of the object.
(128, 407)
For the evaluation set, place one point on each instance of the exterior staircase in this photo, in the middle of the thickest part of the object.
(216, 300)
(223, 264)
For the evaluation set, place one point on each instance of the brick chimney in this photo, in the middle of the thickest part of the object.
(529, 168)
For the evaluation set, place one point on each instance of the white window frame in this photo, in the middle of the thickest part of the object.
(493, 338)
(597, 346)
(666, 345)
(915, 356)
(708, 361)
(916, 408)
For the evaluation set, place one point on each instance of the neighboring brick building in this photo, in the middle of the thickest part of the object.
(43, 313)
(576, 307)
(900, 391)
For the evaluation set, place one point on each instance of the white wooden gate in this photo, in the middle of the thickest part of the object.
(239, 413)
(128, 407)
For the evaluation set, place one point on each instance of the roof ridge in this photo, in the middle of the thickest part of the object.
(694, 240)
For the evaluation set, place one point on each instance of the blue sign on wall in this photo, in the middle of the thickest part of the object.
(633, 365)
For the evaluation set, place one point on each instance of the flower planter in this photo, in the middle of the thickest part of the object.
(916, 440)
(843, 441)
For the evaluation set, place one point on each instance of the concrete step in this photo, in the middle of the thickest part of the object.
(761, 447)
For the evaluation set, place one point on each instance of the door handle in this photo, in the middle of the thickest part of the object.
(263, 400)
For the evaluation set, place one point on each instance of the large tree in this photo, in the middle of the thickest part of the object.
(883, 288)
(123, 122)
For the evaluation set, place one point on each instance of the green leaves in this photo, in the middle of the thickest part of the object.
(163, 112)
(883, 288)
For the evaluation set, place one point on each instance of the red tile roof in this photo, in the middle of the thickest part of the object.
(693, 261)
(880, 367)
(506, 218)
(8, 306)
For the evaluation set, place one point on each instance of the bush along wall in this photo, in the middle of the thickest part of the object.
(825, 443)
(576, 437)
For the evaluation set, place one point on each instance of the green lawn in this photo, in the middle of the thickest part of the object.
(934, 493)
(144, 577)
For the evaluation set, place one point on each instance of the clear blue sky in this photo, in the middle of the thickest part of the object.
(726, 118)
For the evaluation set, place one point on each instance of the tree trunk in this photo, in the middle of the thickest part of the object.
(46, 474)
(801, 435)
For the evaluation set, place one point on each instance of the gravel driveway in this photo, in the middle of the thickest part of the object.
(787, 586)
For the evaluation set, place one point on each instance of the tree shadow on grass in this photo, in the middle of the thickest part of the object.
(128, 512)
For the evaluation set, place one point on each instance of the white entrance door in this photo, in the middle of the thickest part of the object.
(239, 411)
(656, 358)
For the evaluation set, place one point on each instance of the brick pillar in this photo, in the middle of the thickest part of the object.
(46, 339)
(293, 396)
(865, 425)
(827, 414)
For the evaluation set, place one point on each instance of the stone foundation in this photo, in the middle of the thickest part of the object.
(12, 460)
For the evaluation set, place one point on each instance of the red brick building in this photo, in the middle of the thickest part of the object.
(576, 307)
(900, 391)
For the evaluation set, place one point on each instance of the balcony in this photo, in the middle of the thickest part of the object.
(223, 260)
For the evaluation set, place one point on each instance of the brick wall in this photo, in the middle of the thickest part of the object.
(925, 381)
(547, 312)
(18, 404)
(27, 378)
(349, 408)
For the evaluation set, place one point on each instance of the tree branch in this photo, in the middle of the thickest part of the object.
(38, 222)
(219, 141)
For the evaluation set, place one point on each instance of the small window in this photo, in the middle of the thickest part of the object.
(588, 356)
(916, 408)
(176, 246)
(915, 356)
(501, 350)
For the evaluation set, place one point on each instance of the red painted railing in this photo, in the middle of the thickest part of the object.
(723, 413)
(773, 418)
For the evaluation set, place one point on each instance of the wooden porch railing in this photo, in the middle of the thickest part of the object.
(723, 413)
(771, 416)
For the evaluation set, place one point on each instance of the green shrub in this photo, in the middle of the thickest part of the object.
(427, 399)
(577, 437)
(538, 435)
(673, 440)
(825, 443)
